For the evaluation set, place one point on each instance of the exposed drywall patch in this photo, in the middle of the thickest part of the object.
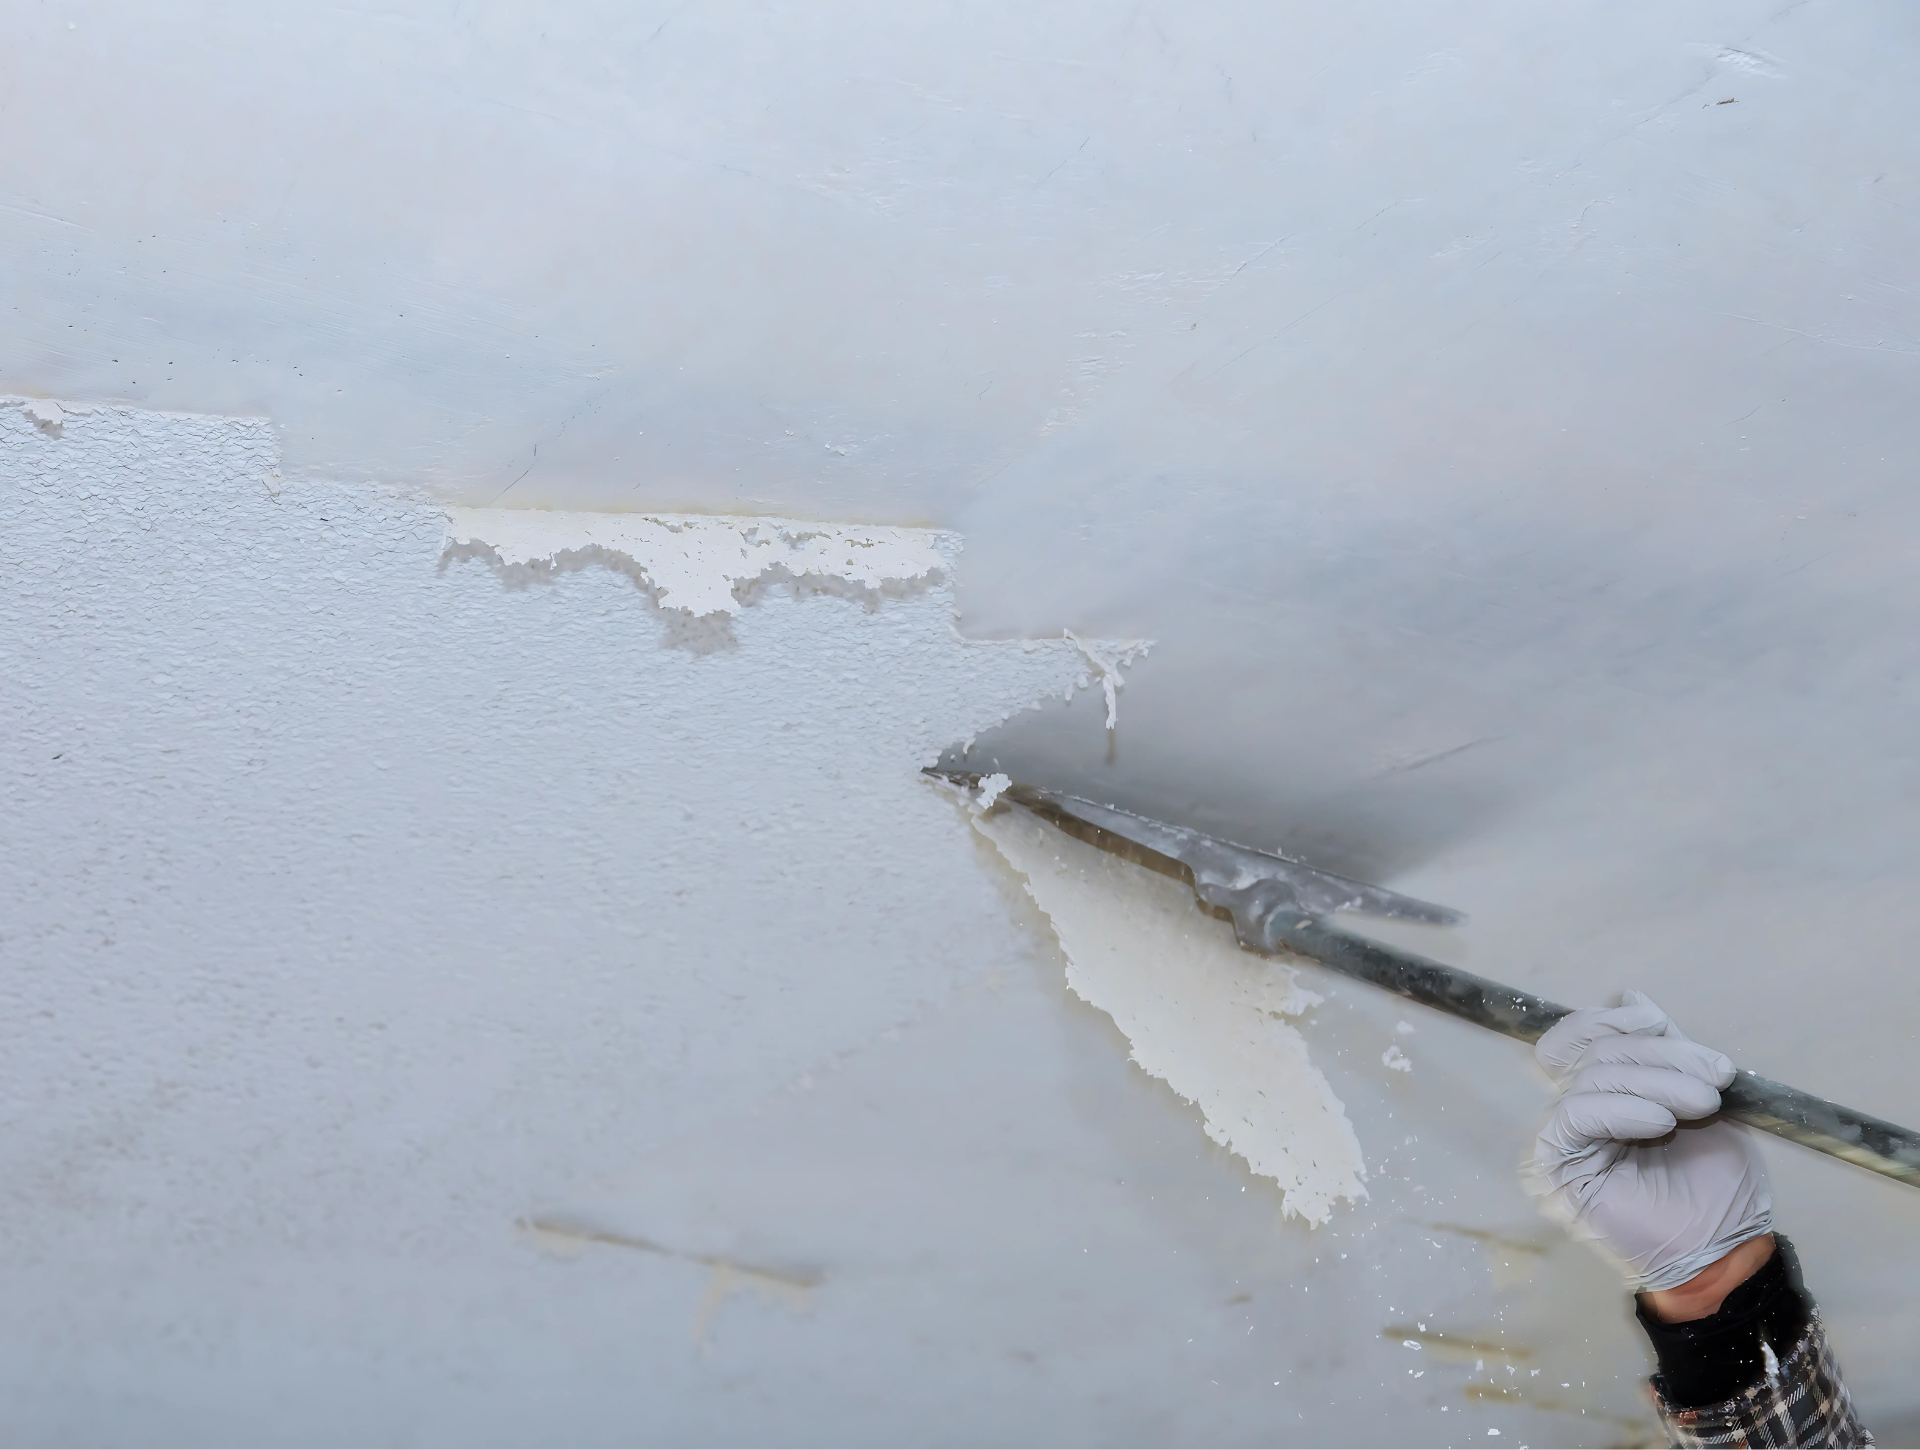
(1205, 1016)
(698, 562)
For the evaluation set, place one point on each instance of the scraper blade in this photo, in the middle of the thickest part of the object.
(1281, 905)
(1247, 884)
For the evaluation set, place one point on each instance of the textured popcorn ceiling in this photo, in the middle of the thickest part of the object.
(1499, 416)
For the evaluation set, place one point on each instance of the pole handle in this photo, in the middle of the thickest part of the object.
(1826, 1127)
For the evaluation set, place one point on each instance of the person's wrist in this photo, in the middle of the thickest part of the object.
(1707, 1290)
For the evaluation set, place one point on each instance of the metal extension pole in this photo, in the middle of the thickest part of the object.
(1759, 1102)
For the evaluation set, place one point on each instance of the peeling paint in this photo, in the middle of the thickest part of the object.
(350, 889)
(700, 562)
(1201, 1014)
(47, 415)
(1108, 657)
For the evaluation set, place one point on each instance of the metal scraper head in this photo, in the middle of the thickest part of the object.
(1237, 881)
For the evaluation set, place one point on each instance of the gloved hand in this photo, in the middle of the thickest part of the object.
(1624, 1159)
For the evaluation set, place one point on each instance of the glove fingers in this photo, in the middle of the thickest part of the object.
(1562, 1045)
(1682, 1095)
(1641, 1000)
(1679, 1053)
(1583, 1119)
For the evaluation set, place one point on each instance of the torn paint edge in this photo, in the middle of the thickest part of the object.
(1311, 1184)
(699, 563)
(702, 564)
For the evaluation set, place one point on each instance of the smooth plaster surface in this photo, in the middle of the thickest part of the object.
(1507, 442)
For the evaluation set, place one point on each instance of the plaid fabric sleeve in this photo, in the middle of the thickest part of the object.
(1800, 1402)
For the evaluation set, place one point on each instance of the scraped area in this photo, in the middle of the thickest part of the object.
(1205, 1016)
(696, 562)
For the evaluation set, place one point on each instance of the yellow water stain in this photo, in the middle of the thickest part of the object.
(725, 1277)
(1510, 1261)
(1455, 1347)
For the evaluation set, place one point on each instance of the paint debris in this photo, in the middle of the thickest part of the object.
(1459, 1348)
(1394, 1058)
(990, 788)
(1108, 657)
(697, 562)
(1201, 1014)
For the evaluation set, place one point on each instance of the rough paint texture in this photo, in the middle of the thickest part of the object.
(358, 906)
(1203, 1015)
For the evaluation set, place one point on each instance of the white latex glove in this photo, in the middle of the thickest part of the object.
(1625, 1161)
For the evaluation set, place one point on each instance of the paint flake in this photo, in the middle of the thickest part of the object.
(990, 788)
(47, 415)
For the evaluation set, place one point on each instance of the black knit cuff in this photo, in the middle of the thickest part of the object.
(1707, 1361)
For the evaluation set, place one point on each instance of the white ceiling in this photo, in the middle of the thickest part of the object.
(1502, 415)
(1419, 376)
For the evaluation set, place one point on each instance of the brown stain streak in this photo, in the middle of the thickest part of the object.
(1488, 1236)
(1459, 1345)
(789, 1278)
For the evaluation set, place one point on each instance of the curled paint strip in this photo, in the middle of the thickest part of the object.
(1108, 656)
